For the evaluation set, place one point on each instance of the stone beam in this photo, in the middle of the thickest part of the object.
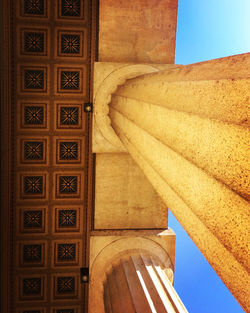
(141, 31)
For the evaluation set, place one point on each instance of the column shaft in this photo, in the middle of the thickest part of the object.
(139, 284)
(187, 129)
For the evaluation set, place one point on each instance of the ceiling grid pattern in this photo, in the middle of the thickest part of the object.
(53, 67)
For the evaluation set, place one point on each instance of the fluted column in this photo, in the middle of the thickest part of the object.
(138, 283)
(188, 130)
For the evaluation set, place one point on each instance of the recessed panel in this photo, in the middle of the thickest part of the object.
(34, 79)
(32, 287)
(33, 8)
(33, 115)
(67, 219)
(71, 42)
(32, 185)
(32, 150)
(73, 10)
(33, 41)
(68, 185)
(69, 116)
(65, 286)
(67, 253)
(31, 220)
(71, 80)
(69, 150)
(32, 254)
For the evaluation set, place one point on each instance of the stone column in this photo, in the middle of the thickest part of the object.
(188, 130)
(139, 283)
(132, 271)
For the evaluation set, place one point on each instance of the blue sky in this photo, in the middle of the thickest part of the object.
(209, 29)
(206, 29)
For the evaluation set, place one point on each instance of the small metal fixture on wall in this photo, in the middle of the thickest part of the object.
(85, 275)
(88, 107)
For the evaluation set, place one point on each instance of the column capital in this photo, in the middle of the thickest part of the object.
(107, 77)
